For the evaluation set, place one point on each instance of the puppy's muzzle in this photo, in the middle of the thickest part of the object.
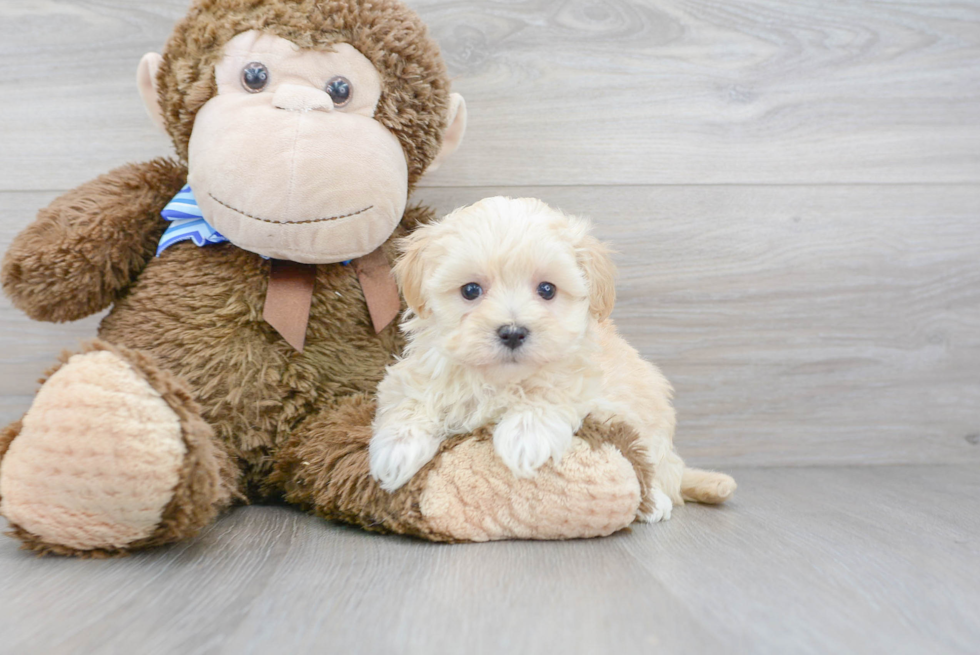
(513, 336)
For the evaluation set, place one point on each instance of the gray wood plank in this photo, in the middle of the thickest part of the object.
(800, 325)
(843, 560)
(71, 109)
(599, 92)
(875, 560)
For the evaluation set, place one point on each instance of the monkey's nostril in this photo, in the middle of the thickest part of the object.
(513, 336)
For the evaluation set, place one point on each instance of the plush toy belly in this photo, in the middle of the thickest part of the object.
(199, 312)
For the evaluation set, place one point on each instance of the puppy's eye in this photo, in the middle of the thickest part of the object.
(547, 290)
(255, 77)
(471, 291)
(340, 91)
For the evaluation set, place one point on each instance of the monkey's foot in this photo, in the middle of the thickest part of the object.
(471, 495)
(111, 456)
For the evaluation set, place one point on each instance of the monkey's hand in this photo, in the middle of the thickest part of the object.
(88, 246)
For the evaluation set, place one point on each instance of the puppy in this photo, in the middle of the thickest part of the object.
(508, 325)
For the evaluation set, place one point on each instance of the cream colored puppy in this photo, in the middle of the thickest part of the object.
(508, 325)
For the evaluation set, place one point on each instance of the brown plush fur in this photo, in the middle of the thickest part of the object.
(199, 312)
(257, 416)
(85, 249)
(7, 436)
(415, 94)
(324, 468)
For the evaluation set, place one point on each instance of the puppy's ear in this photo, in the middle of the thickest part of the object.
(600, 272)
(410, 269)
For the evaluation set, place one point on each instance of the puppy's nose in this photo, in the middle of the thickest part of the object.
(513, 336)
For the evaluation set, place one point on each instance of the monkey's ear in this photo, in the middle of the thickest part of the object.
(593, 256)
(454, 133)
(410, 270)
(146, 81)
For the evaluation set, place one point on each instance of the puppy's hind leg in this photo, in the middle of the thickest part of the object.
(709, 487)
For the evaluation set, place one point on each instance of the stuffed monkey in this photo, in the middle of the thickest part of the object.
(252, 304)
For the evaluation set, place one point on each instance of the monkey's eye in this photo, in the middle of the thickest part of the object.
(547, 290)
(471, 291)
(340, 91)
(255, 77)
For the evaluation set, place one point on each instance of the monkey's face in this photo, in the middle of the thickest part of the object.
(287, 160)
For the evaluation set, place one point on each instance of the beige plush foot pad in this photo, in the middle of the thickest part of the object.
(97, 459)
(592, 493)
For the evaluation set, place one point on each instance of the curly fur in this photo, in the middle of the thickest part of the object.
(457, 375)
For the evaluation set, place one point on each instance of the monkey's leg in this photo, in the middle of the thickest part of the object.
(112, 456)
(466, 493)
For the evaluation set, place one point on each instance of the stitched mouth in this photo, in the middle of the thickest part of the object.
(306, 222)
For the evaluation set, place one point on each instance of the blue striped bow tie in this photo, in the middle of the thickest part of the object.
(187, 223)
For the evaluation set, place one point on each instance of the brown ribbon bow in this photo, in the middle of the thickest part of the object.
(290, 295)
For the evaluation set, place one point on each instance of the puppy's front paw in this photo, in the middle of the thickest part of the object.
(397, 453)
(662, 507)
(526, 440)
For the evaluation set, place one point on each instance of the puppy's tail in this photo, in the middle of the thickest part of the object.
(707, 487)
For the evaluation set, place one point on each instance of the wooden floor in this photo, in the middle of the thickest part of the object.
(793, 187)
(814, 560)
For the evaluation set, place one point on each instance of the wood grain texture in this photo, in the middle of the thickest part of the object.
(799, 325)
(572, 92)
(802, 561)
(794, 189)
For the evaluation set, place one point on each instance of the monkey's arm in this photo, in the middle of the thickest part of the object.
(88, 246)
(465, 493)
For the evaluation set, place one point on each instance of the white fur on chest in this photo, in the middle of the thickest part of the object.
(462, 399)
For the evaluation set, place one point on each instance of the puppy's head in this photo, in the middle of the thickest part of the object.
(506, 282)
